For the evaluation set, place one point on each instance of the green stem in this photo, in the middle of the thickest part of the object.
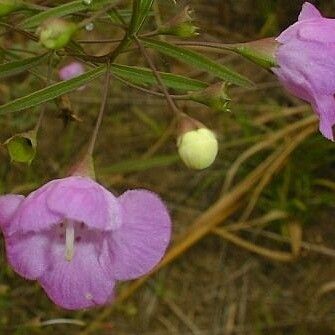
(101, 112)
(48, 79)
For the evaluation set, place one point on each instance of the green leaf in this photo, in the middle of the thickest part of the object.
(141, 9)
(123, 16)
(63, 10)
(51, 92)
(144, 77)
(12, 68)
(199, 61)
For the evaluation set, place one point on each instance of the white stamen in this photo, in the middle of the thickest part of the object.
(88, 296)
(69, 240)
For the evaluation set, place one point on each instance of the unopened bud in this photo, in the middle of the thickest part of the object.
(56, 33)
(214, 96)
(197, 145)
(181, 25)
(9, 6)
(22, 147)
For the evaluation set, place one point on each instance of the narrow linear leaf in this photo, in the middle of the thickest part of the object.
(51, 92)
(141, 9)
(144, 12)
(12, 68)
(63, 10)
(198, 61)
(122, 16)
(136, 165)
(144, 77)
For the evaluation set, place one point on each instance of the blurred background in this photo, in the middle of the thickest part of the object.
(219, 285)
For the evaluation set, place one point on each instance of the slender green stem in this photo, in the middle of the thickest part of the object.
(48, 79)
(101, 112)
(151, 64)
(151, 92)
(115, 40)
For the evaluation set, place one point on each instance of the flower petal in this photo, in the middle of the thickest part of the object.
(83, 200)
(320, 32)
(325, 107)
(71, 70)
(79, 283)
(309, 12)
(34, 214)
(28, 254)
(308, 66)
(8, 206)
(143, 237)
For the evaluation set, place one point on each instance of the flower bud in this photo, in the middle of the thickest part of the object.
(22, 147)
(214, 96)
(9, 6)
(197, 145)
(181, 25)
(56, 33)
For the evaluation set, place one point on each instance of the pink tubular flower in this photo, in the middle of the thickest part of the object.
(71, 70)
(306, 64)
(77, 239)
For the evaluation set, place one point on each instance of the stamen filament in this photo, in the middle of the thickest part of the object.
(69, 240)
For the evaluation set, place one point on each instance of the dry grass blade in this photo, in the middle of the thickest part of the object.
(268, 117)
(259, 222)
(319, 249)
(182, 316)
(279, 256)
(268, 142)
(266, 178)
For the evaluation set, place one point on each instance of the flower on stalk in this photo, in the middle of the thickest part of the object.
(9, 6)
(56, 33)
(77, 239)
(197, 145)
(306, 64)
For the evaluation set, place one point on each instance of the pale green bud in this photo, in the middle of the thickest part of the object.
(9, 6)
(198, 148)
(56, 33)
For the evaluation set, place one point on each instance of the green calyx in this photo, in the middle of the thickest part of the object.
(261, 52)
(9, 6)
(181, 25)
(22, 147)
(215, 96)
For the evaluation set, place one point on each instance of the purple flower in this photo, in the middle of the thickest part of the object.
(306, 63)
(77, 239)
(71, 70)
